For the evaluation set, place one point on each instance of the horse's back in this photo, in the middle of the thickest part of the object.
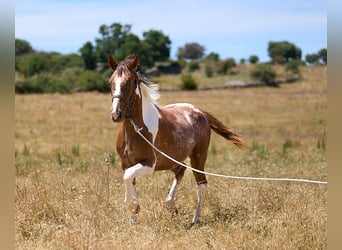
(186, 116)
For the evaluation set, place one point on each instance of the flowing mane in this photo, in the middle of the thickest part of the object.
(150, 90)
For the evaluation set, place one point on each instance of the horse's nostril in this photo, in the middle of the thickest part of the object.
(117, 116)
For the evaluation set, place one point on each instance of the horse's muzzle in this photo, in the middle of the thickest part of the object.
(117, 116)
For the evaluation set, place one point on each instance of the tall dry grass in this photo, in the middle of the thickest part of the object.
(69, 192)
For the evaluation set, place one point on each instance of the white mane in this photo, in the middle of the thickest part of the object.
(150, 91)
(150, 95)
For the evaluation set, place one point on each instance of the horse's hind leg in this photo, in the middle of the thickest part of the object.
(170, 199)
(197, 162)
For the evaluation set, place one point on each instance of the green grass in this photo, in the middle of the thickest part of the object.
(69, 192)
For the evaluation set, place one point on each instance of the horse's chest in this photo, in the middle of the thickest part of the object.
(132, 149)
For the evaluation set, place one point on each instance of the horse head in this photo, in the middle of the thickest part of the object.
(123, 83)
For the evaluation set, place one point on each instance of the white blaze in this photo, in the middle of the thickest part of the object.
(117, 92)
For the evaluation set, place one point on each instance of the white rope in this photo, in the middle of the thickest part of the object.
(137, 130)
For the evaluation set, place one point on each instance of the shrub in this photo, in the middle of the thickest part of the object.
(75, 150)
(293, 66)
(286, 145)
(188, 82)
(260, 150)
(193, 66)
(224, 66)
(110, 158)
(42, 83)
(265, 74)
(209, 71)
(31, 64)
(92, 81)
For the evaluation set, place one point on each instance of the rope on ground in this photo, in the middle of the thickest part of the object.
(137, 130)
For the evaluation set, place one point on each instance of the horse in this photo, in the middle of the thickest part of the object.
(180, 130)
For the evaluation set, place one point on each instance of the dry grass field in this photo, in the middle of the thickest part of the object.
(69, 192)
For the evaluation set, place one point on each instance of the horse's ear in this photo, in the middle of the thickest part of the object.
(133, 64)
(111, 62)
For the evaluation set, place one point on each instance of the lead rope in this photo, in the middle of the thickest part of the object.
(138, 131)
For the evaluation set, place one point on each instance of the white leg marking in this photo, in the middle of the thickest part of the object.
(171, 195)
(130, 191)
(200, 197)
(170, 199)
(131, 173)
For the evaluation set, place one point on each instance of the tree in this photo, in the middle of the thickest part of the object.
(22, 47)
(117, 39)
(130, 45)
(158, 44)
(282, 52)
(192, 51)
(112, 38)
(253, 59)
(312, 58)
(88, 55)
(212, 56)
(323, 55)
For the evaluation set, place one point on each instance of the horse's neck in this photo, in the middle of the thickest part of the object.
(146, 114)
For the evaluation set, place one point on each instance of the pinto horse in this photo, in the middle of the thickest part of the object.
(180, 130)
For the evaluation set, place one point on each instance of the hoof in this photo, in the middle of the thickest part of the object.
(174, 211)
(195, 221)
(132, 219)
(171, 207)
(134, 208)
(137, 209)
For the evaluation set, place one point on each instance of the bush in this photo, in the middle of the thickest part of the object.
(42, 83)
(193, 66)
(209, 71)
(188, 82)
(265, 74)
(70, 80)
(36, 63)
(224, 66)
(293, 66)
(31, 64)
(92, 81)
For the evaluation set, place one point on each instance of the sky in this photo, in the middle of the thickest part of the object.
(233, 29)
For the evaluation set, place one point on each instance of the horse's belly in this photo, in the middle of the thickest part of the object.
(179, 153)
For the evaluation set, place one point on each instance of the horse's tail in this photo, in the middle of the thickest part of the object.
(224, 131)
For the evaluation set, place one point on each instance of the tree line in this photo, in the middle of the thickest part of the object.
(87, 70)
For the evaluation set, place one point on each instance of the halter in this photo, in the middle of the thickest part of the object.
(131, 99)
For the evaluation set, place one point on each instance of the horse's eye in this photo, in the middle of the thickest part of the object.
(126, 85)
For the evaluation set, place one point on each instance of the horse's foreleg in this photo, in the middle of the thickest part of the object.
(130, 191)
